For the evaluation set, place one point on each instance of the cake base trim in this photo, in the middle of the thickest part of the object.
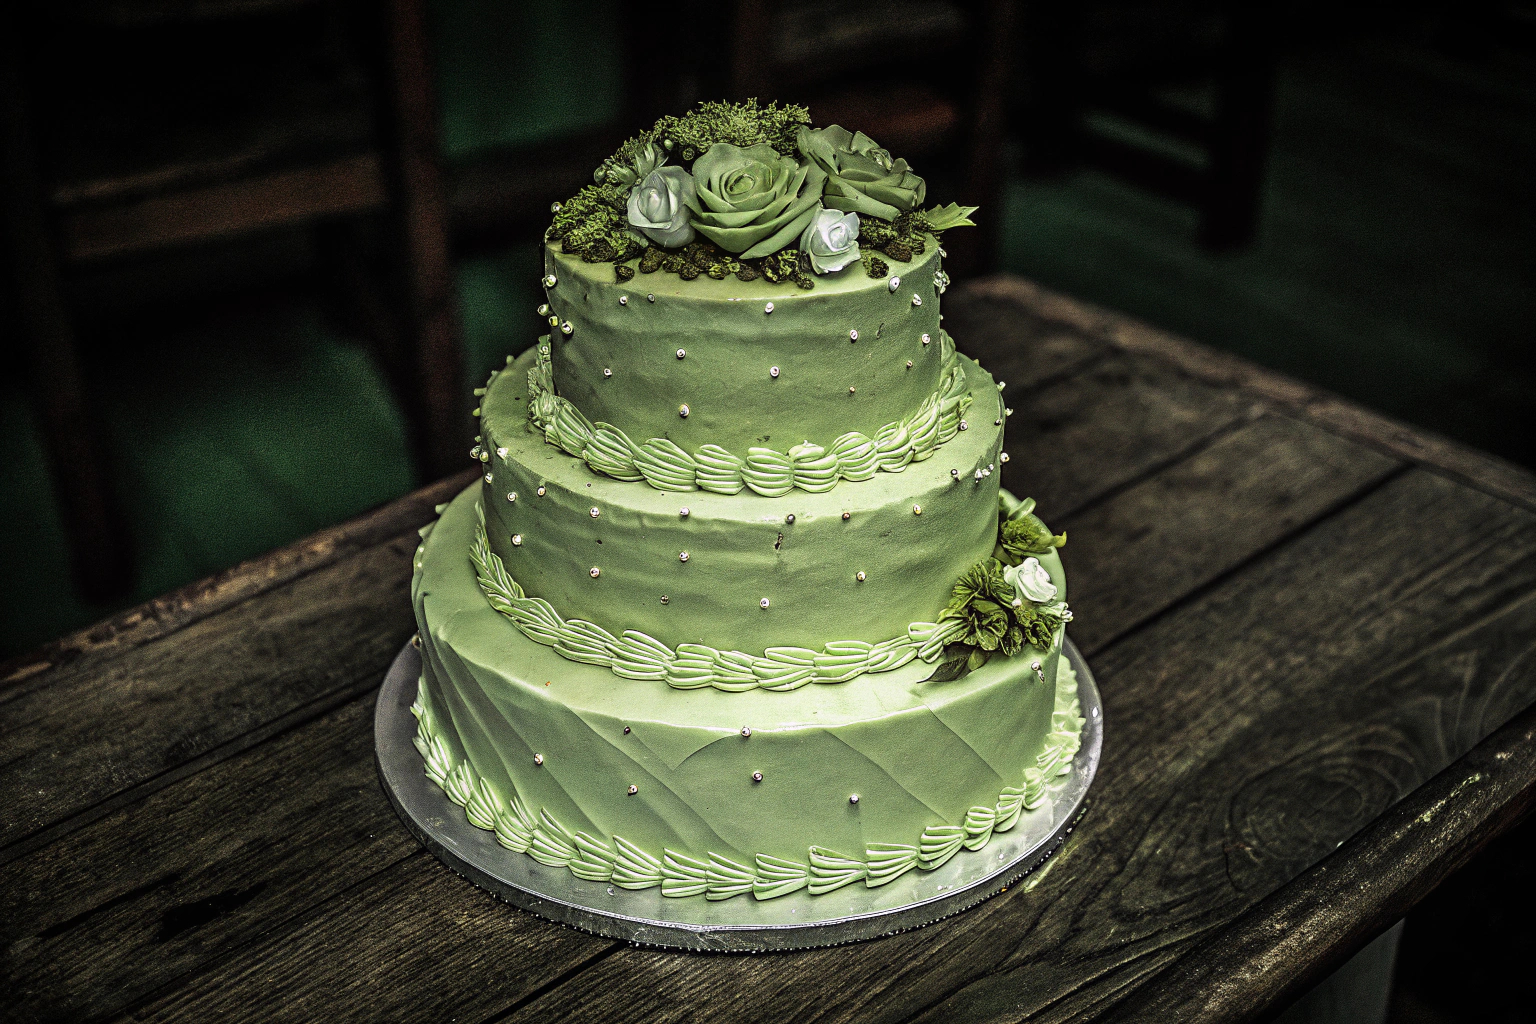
(618, 862)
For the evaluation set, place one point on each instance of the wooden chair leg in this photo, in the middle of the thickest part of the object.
(443, 428)
(1240, 136)
(974, 251)
(99, 542)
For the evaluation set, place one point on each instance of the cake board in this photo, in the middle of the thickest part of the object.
(741, 925)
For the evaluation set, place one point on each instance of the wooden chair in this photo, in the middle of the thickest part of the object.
(925, 80)
(132, 127)
(1174, 98)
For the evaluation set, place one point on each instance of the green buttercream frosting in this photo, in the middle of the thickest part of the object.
(938, 768)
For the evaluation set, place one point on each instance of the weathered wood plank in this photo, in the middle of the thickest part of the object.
(1249, 491)
(439, 949)
(254, 845)
(70, 746)
(135, 627)
(1178, 530)
(1294, 938)
(1326, 699)
(1022, 350)
(1120, 418)
(1477, 469)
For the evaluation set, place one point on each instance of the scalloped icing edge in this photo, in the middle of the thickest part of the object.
(715, 877)
(637, 655)
(811, 467)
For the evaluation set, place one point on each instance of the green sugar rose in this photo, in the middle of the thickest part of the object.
(753, 201)
(831, 240)
(861, 177)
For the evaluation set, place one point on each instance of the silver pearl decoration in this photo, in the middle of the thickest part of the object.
(511, 495)
(683, 511)
(517, 540)
(964, 425)
(633, 790)
(854, 798)
(484, 455)
(543, 309)
(626, 730)
(550, 280)
(768, 308)
(474, 453)
(487, 478)
(594, 572)
(502, 452)
(567, 329)
(997, 422)
(773, 371)
(847, 516)
(650, 298)
(954, 473)
(595, 512)
(746, 731)
(763, 603)
(665, 599)
(682, 411)
(682, 556)
(757, 776)
(607, 372)
(978, 476)
(917, 510)
(682, 353)
(895, 283)
(926, 339)
(909, 364)
(540, 491)
(1002, 457)
(554, 207)
(1001, 384)
(850, 390)
(790, 519)
(623, 300)
(860, 576)
(554, 321)
(917, 300)
(853, 335)
(538, 758)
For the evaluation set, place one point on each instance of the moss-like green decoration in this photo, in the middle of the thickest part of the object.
(762, 173)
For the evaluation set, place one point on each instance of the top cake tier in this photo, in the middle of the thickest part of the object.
(743, 364)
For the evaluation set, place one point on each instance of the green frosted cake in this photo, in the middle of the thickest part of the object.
(737, 607)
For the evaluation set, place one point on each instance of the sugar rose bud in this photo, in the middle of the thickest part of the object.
(658, 207)
(831, 240)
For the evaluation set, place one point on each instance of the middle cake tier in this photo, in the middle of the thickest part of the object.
(740, 571)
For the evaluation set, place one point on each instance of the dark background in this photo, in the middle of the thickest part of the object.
(240, 398)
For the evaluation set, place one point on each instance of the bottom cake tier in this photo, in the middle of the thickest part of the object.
(716, 794)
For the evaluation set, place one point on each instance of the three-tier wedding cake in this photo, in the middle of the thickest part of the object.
(737, 607)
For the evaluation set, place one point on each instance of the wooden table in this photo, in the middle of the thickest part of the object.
(1314, 630)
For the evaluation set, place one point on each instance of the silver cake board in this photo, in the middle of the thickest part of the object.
(738, 925)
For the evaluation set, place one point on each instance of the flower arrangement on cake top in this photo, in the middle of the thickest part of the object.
(735, 189)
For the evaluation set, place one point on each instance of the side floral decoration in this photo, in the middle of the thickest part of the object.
(738, 189)
(1008, 601)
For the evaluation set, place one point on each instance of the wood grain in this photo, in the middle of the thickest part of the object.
(1296, 937)
(74, 744)
(85, 650)
(1173, 533)
(1123, 419)
(327, 924)
(1477, 469)
(1331, 683)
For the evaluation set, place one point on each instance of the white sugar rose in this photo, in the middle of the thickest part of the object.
(658, 207)
(1031, 582)
(831, 240)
